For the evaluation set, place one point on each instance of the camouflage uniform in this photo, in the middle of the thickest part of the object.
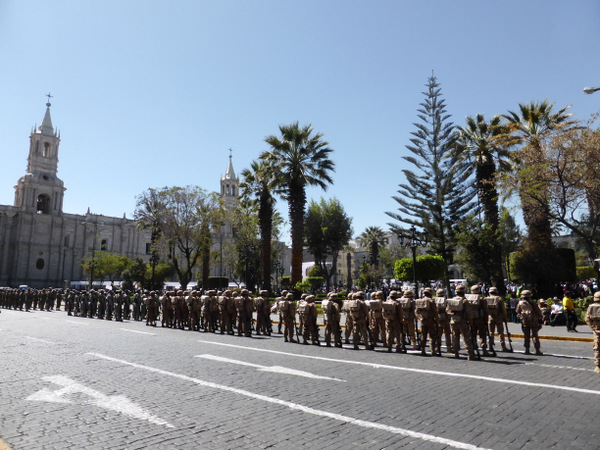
(392, 314)
(531, 317)
(592, 318)
(426, 312)
(376, 320)
(331, 318)
(496, 309)
(288, 311)
(407, 302)
(456, 309)
(443, 321)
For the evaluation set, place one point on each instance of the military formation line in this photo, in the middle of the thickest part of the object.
(399, 322)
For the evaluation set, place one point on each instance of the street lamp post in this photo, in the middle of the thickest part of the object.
(590, 90)
(413, 241)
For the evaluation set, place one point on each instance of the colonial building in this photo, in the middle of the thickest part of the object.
(42, 246)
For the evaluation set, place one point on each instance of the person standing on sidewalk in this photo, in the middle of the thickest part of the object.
(570, 314)
(592, 318)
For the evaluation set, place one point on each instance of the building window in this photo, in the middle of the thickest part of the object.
(46, 149)
(43, 204)
(39, 264)
(104, 245)
(148, 248)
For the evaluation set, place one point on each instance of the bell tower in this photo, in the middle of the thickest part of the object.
(40, 190)
(230, 185)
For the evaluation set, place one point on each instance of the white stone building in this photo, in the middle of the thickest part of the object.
(40, 245)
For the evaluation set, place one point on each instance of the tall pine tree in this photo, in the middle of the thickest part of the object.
(437, 192)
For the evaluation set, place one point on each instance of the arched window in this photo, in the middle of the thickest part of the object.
(39, 264)
(46, 149)
(43, 204)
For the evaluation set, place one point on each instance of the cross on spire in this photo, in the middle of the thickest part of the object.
(230, 151)
(49, 97)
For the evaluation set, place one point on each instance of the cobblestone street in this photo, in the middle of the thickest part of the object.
(70, 382)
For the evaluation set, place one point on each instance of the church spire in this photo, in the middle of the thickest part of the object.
(46, 127)
(230, 173)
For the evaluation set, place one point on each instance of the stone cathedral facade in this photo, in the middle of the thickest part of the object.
(42, 246)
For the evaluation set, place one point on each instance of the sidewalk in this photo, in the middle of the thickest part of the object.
(557, 333)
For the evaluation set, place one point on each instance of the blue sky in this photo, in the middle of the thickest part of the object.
(155, 93)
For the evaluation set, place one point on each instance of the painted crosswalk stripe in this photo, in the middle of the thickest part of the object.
(410, 369)
(296, 406)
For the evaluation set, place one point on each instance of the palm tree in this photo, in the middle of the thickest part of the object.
(372, 238)
(528, 128)
(259, 182)
(479, 147)
(301, 159)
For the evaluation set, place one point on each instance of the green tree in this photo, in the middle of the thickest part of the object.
(436, 195)
(428, 267)
(150, 277)
(478, 146)
(529, 129)
(302, 159)
(372, 238)
(510, 237)
(248, 265)
(478, 244)
(327, 230)
(186, 218)
(258, 184)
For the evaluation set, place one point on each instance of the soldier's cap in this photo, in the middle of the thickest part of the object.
(284, 293)
(394, 294)
(461, 288)
(428, 291)
(475, 289)
(244, 292)
(227, 293)
(303, 296)
(555, 299)
(310, 298)
(493, 290)
(211, 292)
(597, 296)
(408, 294)
(263, 292)
(332, 295)
(525, 294)
(379, 294)
(289, 296)
(359, 294)
(440, 292)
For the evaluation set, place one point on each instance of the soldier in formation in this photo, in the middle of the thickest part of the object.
(592, 318)
(531, 319)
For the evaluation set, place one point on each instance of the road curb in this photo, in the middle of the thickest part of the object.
(556, 338)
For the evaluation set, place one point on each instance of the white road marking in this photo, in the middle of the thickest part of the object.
(138, 332)
(44, 341)
(77, 322)
(559, 367)
(408, 369)
(296, 406)
(273, 369)
(117, 403)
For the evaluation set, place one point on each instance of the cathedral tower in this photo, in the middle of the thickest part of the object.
(230, 185)
(40, 190)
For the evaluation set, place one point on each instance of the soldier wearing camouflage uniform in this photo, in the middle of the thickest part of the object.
(443, 321)
(426, 313)
(349, 325)
(310, 314)
(287, 310)
(456, 310)
(331, 318)
(360, 315)
(592, 318)
(407, 302)
(531, 317)
(393, 315)
(496, 309)
(376, 320)
(478, 316)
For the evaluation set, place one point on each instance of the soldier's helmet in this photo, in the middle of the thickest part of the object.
(475, 289)
(526, 294)
(244, 292)
(284, 293)
(428, 292)
(289, 296)
(597, 296)
(394, 294)
(378, 295)
(227, 293)
(263, 292)
(440, 293)
(408, 294)
(303, 296)
(212, 292)
(493, 290)
(360, 295)
(461, 289)
(310, 298)
(333, 295)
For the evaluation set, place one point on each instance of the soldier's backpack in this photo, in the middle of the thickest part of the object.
(222, 300)
(407, 303)
(422, 308)
(283, 306)
(302, 308)
(473, 306)
(593, 314)
(526, 310)
(493, 304)
(375, 306)
(354, 309)
(456, 304)
(389, 310)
